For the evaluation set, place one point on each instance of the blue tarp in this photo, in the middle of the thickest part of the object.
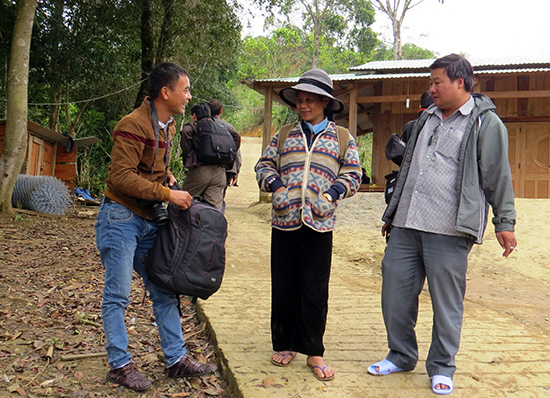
(83, 193)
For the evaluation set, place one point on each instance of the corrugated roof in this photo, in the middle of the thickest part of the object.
(355, 76)
(480, 62)
(502, 71)
(394, 64)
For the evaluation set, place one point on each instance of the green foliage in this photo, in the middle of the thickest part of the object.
(287, 51)
(412, 51)
(176, 162)
(20, 218)
(89, 49)
(364, 147)
(85, 50)
(344, 24)
(249, 112)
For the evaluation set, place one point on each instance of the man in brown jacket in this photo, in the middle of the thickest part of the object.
(126, 225)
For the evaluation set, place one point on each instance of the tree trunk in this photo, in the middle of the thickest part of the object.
(317, 44)
(54, 111)
(397, 53)
(15, 141)
(166, 32)
(147, 50)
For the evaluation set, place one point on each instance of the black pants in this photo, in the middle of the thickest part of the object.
(300, 273)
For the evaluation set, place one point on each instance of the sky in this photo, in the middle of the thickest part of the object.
(476, 28)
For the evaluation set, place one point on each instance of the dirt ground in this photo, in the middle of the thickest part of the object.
(51, 281)
(518, 285)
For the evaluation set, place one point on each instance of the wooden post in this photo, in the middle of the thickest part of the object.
(353, 111)
(266, 136)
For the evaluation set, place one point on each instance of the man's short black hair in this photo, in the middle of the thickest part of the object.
(426, 100)
(201, 111)
(215, 107)
(456, 66)
(164, 74)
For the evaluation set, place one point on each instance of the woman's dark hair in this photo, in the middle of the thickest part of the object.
(164, 74)
(456, 66)
(329, 115)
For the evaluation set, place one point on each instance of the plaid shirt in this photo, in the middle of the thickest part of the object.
(429, 201)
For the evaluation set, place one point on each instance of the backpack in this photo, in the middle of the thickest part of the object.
(341, 132)
(188, 256)
(216, 144)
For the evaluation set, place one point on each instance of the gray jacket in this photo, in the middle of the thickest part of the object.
(484, 176)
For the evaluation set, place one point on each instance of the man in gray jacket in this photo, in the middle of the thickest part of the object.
(455, 166)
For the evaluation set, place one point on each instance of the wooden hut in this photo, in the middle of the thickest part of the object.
(381, 96)
(50, 153)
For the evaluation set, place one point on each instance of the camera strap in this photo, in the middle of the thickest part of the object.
(167, 140)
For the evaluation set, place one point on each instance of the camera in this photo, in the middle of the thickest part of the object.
(159, 213)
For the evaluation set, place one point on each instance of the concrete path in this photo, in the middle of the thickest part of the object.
(239, 313)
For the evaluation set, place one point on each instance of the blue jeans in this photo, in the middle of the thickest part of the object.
(123, 239)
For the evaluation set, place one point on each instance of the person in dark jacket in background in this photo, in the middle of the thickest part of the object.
(232, 171)
(396, 145)
(206, 180)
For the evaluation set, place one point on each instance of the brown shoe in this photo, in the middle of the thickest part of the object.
(186, 367)
(129, 376)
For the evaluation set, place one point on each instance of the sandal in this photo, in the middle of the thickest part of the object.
(283, 355)
(322, 369)
(446, 381)
(385, 367)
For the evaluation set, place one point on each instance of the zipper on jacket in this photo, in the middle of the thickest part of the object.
(309, 151)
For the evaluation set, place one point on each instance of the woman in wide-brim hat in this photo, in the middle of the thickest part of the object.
(309, 167)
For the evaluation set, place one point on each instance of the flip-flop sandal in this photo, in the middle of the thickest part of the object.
(322, 369)
(385, 367)
(283, 354)
(445, 380)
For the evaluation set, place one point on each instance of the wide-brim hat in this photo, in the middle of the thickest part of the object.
(315, 81)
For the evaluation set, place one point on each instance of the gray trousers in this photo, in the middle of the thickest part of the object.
(411, 257)
(208, 181)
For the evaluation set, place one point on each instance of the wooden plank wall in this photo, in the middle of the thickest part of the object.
(529, 147)
(65, 167)
(54, 160)
(390, 117)
(539, 106)
(528, 130)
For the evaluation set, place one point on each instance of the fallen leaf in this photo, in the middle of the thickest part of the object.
(268, 382)
(13, 387)
(49, 354)
(38, 344)
(78, 375)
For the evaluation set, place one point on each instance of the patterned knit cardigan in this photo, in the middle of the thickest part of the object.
(307, 174)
